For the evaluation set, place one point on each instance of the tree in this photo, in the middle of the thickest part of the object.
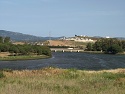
(4, 47)
(22, 51)
(1, 39)
(46, 50)
(114, 49)
(26, 49)
(97, 46)
(89, 47)
(6, 39)
(14, 49)
(123, 45)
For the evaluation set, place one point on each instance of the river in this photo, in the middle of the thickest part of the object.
(82, 61)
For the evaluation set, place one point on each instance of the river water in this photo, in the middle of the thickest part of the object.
(82, 61)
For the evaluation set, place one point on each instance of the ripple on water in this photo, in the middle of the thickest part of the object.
(70, 60)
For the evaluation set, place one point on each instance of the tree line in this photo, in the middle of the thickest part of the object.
(4, 39)
(107, 45)
(26, 49)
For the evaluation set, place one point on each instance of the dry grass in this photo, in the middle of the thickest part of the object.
(61, 81)
(60, 43)
(4, 54)
(66, 43)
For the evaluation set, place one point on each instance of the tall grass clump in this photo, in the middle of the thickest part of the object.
(1, 74)
(112, 76)
(71, 74)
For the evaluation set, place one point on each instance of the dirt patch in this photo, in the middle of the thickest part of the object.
(61, 43)
(4, 54)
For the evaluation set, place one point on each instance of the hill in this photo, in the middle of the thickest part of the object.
(120, 38)
(15, 36)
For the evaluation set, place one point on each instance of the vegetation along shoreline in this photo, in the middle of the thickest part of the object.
(108, 46)
(9, 51)
(25, 57)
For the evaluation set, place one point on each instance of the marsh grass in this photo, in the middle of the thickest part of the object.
(62, 81)
(23, 57)
(1, 74)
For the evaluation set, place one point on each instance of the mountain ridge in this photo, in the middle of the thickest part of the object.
(15, 36)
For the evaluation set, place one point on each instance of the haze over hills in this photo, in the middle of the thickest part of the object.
(15, 36)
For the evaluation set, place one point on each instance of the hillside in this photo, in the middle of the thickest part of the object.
(15, 36)
(19, 36)
(67, 43)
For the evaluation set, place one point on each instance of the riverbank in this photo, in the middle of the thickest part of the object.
(62, 81)
(80, 50)
(73, 50)
(23, 57)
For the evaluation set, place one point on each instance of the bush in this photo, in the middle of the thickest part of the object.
(109, 46)
(112, 76)
(7, 70)
(114, 49)
(1, 74)
(71, 74)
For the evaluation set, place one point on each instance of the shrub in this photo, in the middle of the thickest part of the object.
(114, 49)
(71, 74)
(113, 76)
(1, 74)
(7, 70)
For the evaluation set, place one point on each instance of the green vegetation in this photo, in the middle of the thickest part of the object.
(26, 51)
(110, 46)
(1, 74)
(4, 39)
(23, 57)
(60, 81)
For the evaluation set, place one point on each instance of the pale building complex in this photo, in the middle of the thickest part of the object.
(79, 39)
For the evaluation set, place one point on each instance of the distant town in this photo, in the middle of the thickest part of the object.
(75, 41)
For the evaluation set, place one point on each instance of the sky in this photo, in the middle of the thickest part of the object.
(64, 17)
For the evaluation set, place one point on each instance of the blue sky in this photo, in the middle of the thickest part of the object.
(64, 17)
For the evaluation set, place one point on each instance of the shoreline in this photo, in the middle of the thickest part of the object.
(81, 51)
(117, 70)
(24, 57)
(6, 56)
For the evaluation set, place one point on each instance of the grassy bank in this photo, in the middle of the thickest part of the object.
(23, 57)
(61, 81)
